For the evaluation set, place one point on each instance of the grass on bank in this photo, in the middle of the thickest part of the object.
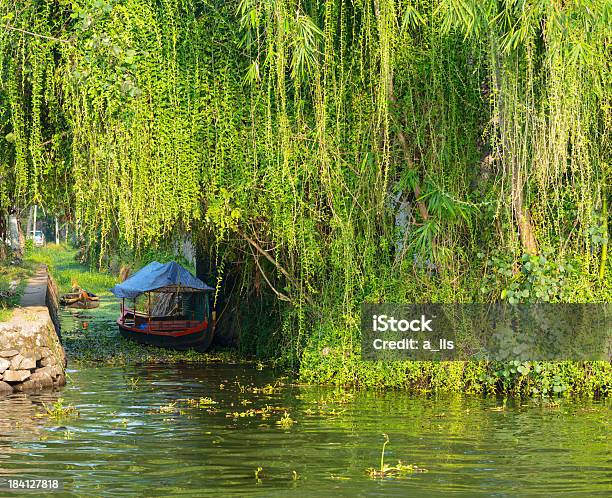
(63, 266)
(67, 271)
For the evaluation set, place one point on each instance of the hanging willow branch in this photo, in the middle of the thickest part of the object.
(279, 294)
(145, 129)
(38, 35)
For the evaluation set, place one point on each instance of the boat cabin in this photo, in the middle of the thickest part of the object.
(165, 305)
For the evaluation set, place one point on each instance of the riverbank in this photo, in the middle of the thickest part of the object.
(62, 263)
(514, 378)
(31, 355)
(91, 337)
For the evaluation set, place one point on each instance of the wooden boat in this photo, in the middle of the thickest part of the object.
(80, 300)
(177, 307)
(165, 331)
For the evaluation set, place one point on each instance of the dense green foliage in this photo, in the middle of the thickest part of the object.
(329, 152)
(13, 280)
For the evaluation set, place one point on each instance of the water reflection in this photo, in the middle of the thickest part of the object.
(143, 436)
(20, 416)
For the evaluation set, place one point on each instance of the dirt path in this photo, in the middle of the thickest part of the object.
(35, 292)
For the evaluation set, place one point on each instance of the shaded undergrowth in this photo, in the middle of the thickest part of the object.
(13, 280)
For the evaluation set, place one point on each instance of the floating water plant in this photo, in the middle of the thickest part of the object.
(264, 412)
(396, 471)
(247, 413)
(286, 421)
(169, 408)
(133, 383)
(267, 389)
(58, 410)
(202, 402)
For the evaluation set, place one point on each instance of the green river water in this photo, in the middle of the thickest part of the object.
(137, 435)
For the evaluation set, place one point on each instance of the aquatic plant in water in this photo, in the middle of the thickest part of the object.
(204, 402)
(133, 383)
(395, 471)
(169, 408)
(58, 410)
(286, 421)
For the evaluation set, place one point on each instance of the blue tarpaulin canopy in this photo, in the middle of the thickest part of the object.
(168, 277)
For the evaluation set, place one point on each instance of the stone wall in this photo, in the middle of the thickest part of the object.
(31, 355)
(52, 303)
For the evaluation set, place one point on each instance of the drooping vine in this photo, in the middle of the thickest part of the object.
(334, 151)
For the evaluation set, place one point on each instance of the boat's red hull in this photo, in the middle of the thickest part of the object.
(175, 334)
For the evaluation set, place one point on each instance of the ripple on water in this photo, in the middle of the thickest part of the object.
(148, 440)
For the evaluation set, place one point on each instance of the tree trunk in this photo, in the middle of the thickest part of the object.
(523, 217)
(15, 236)
(604, 247)
(34, 222)
(401, 137)
(519, 210)
(29, 222)
(57, 241)
(3, 235)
